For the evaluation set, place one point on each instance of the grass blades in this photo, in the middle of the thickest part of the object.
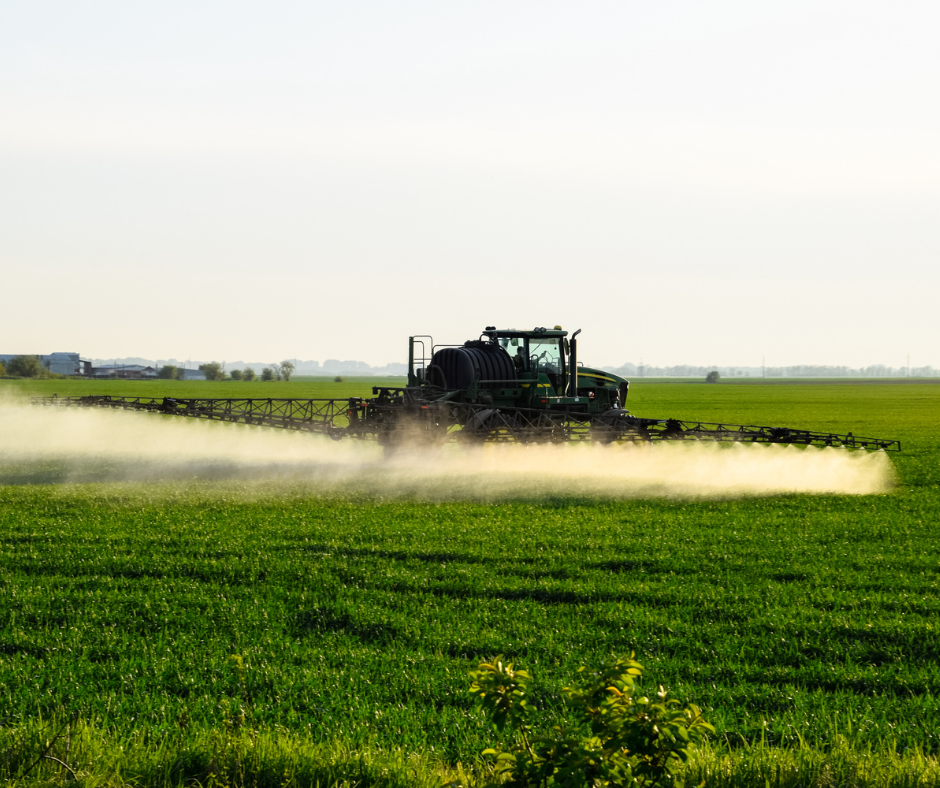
(276, 758)
(361, 619)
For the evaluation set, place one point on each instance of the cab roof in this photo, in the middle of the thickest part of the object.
(533, 333)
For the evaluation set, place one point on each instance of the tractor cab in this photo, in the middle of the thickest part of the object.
(536, 354)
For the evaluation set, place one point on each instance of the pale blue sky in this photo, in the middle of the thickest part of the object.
(688, 182)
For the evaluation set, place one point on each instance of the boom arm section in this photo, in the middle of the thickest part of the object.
(400, 415)
(307, 415)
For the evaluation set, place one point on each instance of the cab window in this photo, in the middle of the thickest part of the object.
(516, 348)
(545, 355)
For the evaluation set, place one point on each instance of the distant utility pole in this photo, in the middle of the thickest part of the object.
(763, 368)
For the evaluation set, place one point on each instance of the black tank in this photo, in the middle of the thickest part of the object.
(458, 367)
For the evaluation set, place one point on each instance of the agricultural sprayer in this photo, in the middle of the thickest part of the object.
(506, 386)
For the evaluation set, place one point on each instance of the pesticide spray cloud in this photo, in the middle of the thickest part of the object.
(59, 445)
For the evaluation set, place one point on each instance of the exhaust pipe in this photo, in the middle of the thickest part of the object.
(573, 363)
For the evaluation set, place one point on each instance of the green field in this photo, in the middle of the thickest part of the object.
(163, 613)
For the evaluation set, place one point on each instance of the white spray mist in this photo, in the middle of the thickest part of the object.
(96, 445)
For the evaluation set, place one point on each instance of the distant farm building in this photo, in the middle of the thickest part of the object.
(124, 371)
(64, 363)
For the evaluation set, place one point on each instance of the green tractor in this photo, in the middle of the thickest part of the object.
(508, 368)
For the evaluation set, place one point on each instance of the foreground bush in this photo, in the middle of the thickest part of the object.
(621, 739)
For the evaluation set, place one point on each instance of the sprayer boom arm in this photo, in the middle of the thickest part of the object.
(400, 414)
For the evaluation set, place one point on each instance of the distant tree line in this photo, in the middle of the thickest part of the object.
(213, 370)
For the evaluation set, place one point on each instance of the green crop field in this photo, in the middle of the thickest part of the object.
(173, 616)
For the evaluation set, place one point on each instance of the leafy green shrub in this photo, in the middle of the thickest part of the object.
(713, 376)
(338, 379)
(621, 739)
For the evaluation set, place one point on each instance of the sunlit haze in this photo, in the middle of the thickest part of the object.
(689, 183)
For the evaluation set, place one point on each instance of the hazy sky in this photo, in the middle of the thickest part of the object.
(687, 182)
